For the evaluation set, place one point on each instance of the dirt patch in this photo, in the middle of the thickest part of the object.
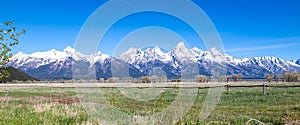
(64, 99)
(8, 98)
(36, 100)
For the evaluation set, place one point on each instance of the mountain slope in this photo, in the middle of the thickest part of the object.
(15, 74)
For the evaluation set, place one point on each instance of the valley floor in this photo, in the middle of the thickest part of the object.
(65, 103)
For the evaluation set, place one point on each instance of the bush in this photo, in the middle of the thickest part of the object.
(201, 78)
(146, 79)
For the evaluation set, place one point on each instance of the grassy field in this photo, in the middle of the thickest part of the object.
(62, 106)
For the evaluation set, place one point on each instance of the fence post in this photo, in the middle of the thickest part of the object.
(264, 89)
(227, 86)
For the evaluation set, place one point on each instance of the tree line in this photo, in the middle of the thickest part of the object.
(285, 77)
(226, 78)
(144, 79)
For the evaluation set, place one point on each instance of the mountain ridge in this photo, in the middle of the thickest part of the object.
(53, 64)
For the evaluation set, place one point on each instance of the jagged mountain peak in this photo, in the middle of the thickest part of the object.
(153, 50)
(215, 52)
(132, 51)
(53, 54)
(180, 45)
(266, 58)
(20, 54)
(197, 51)
(69, 49)
(272, 59)
(182, 53)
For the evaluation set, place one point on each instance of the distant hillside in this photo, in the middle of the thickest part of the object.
(15, 74)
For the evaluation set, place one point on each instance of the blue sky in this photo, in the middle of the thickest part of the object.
(248, 28)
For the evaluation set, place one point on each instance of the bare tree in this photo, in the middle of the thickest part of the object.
(146, 79)
(211, 78)
(291, 76)
(113, 80)
(237, 77)
(101, 80)
(277, 77)
(228, 78)
(201, 78)
(269, 77)
(298, 77)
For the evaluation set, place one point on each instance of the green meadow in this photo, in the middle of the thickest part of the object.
(238, 106)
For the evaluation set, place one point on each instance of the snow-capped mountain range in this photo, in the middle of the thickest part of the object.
(55, 64)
